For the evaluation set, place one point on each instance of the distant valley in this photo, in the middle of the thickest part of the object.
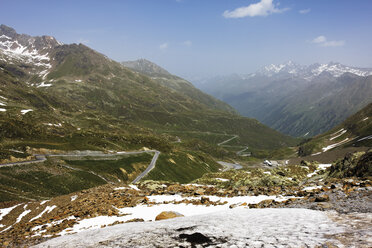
(296, 100)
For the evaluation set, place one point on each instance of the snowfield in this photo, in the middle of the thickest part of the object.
(229, 228)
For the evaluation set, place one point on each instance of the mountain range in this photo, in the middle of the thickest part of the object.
(58, 98)
(295, 99)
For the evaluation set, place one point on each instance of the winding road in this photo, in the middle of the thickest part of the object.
(39, 158)
(149, 168)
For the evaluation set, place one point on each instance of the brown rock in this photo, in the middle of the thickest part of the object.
(322, 198)
(204, 200)
(168, 215)
(252, 205)
(265, 203)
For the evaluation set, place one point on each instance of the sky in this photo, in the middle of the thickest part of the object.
(204, 38)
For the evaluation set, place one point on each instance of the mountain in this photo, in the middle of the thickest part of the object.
(62, 98)
(355, 131)
(146, 67)
(295, 99)
(179, 85)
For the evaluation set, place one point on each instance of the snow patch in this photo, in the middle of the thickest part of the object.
(43, 202)
(334, 145)
(264, 227)
(320, 167)
(43, 84)
(48, 209)
(311, 188)
(5, 211)
(367, 137)
(341, 132)
(26, 212)
(134, 187)
(25, 111)
(222, 179)
(2, 110)
(314, 154)
(74, 197)
(53, 125)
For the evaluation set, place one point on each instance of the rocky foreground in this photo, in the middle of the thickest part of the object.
(293, 206)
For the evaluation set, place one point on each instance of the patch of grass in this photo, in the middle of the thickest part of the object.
(182, 167)
(58, 177)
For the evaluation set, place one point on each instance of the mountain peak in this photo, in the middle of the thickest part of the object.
(145, 66)
(7, 31)
(332, 68)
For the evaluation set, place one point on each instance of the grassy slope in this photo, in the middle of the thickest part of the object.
(56, 176)
(358, 126)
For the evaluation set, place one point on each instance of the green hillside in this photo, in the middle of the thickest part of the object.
(354, 131)
(78, 99)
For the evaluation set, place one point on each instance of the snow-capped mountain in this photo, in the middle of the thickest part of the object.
(311, 71)
(296, 99)
(26, 49)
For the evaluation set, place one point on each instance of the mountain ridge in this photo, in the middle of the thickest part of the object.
(295, 99)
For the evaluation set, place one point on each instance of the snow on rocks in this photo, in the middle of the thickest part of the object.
(240, 227)
(2, 110)
(25, 111)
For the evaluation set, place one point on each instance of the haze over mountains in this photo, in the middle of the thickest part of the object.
(295, 99)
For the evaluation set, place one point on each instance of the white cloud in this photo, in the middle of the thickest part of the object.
(187, 43)
(164, 46)
(322, 41)
(262, 8)
(304, 11)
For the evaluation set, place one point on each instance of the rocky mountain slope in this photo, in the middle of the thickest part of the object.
(295, 99)
(57, 98)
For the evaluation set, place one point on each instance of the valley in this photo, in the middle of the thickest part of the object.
(100, 153)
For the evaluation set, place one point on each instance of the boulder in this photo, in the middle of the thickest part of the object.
(168, 215)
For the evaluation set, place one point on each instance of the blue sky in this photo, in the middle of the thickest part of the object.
(205, 37)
